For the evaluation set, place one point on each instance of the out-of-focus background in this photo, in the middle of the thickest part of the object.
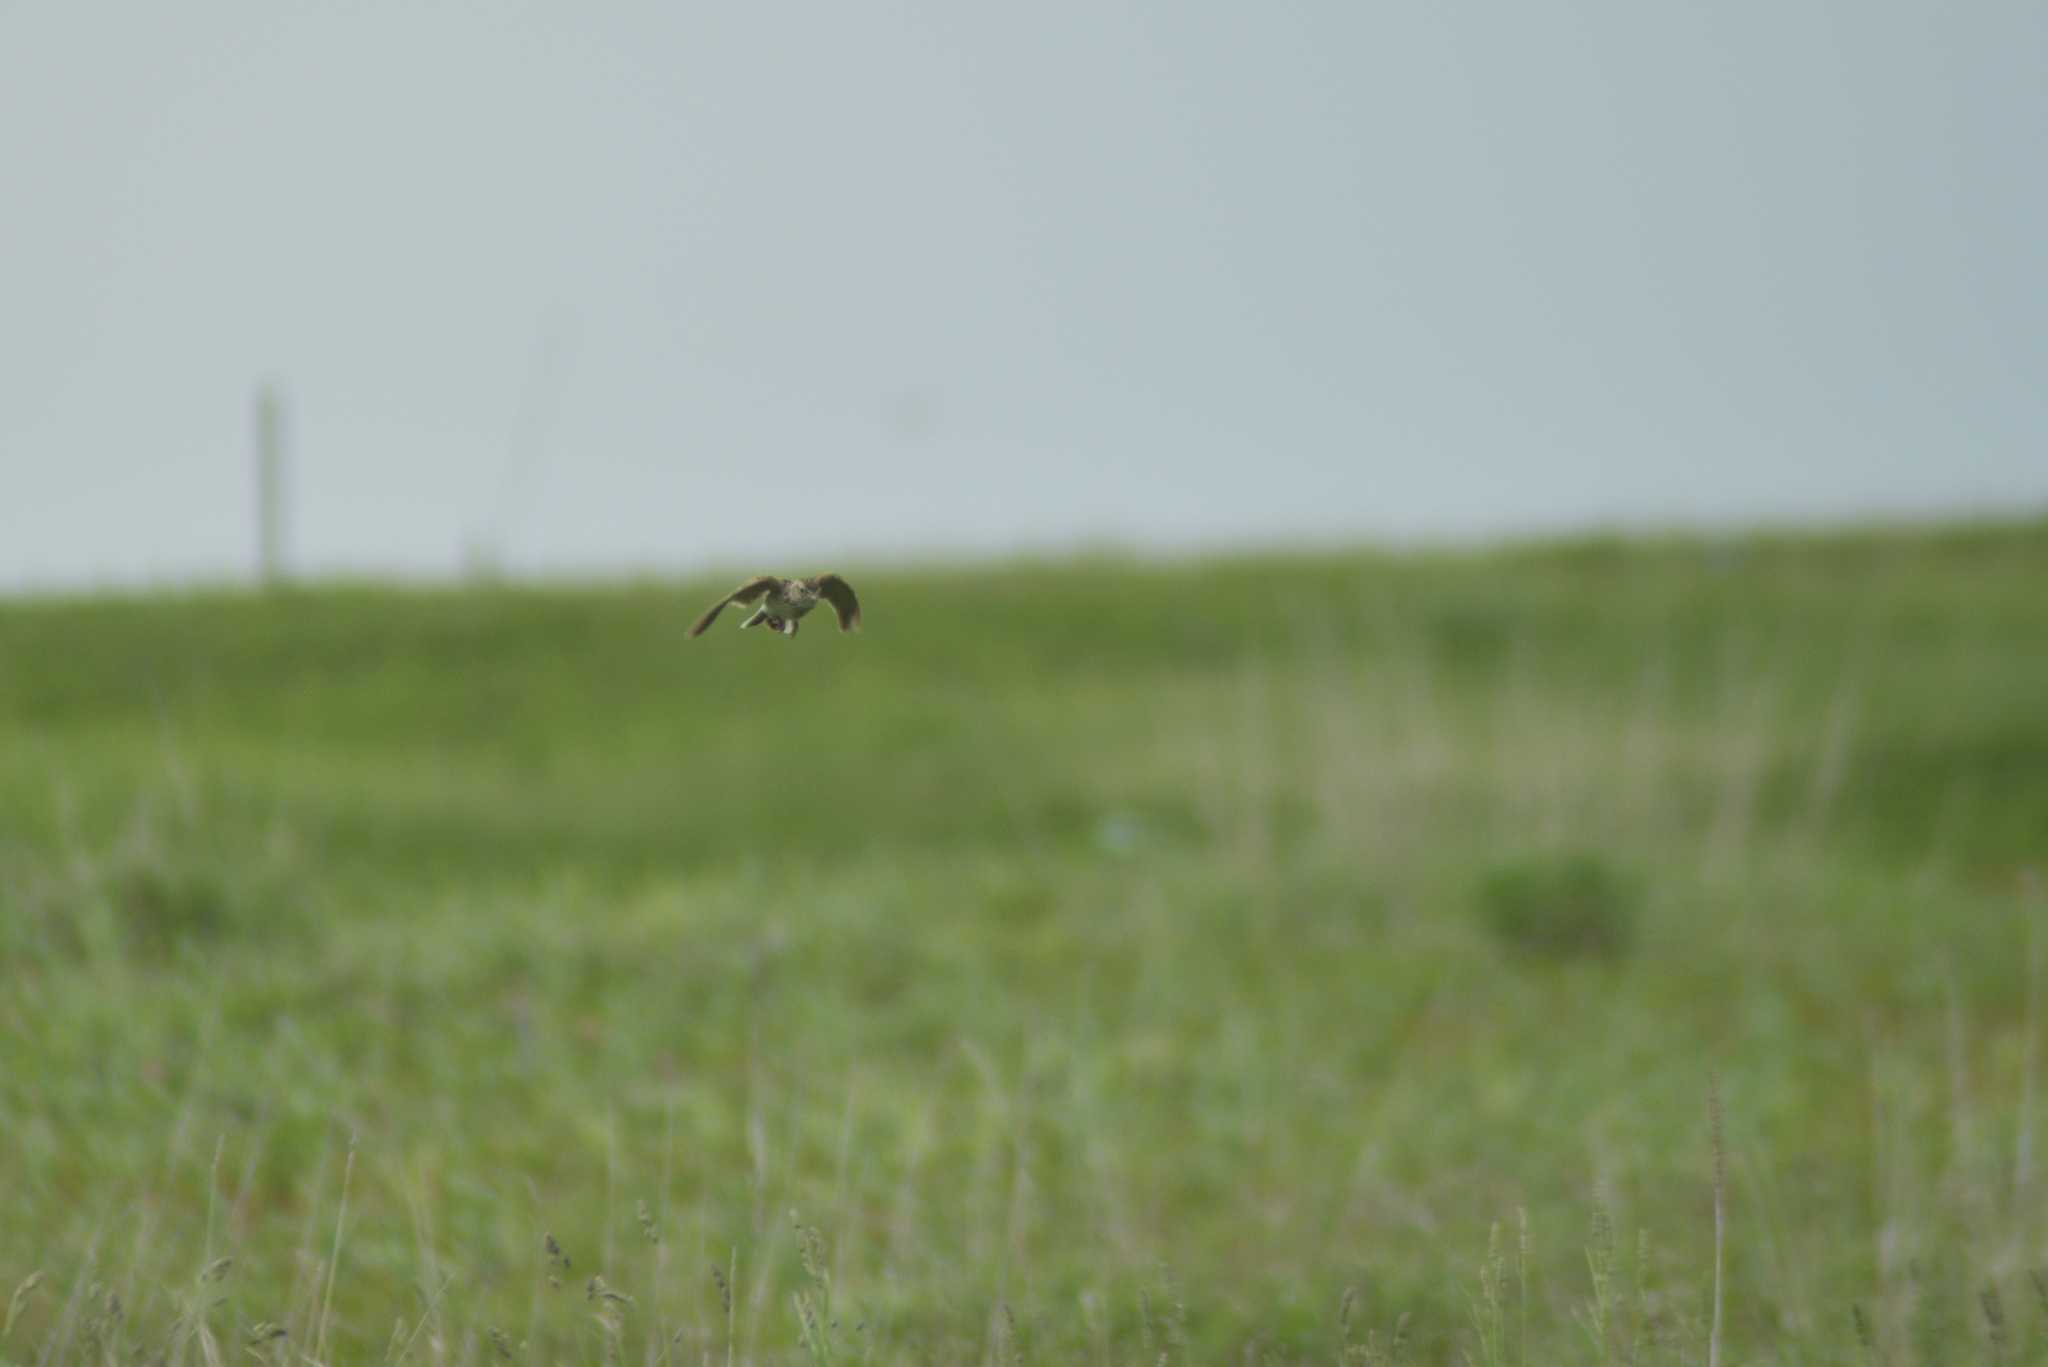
(1452, 698)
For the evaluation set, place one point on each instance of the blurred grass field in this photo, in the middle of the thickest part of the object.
(1100, 961)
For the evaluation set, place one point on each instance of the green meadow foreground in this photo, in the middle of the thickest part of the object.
(1293, 960)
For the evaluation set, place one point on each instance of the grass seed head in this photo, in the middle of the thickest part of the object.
(810, 1245)
(1994, 1318)
(1008, 1353)
(21, 1293)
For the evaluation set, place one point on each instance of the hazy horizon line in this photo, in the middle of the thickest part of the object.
(1707, 530)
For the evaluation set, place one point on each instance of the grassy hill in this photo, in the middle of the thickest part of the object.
(1086, 962)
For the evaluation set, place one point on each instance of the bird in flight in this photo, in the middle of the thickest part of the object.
(783, 602)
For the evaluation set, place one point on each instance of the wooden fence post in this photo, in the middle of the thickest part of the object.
(270, 482)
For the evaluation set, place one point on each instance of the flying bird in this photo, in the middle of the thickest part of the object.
(783, 602)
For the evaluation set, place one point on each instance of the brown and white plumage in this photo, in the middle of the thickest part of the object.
(784, 601)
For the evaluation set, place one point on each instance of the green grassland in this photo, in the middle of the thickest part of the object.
(1088, 962)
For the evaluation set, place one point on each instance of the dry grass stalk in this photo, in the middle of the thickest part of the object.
(1714, 1123)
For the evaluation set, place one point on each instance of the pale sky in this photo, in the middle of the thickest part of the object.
(649, 286)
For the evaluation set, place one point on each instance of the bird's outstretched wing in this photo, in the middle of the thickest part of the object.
(750, 592)
(839, 594)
